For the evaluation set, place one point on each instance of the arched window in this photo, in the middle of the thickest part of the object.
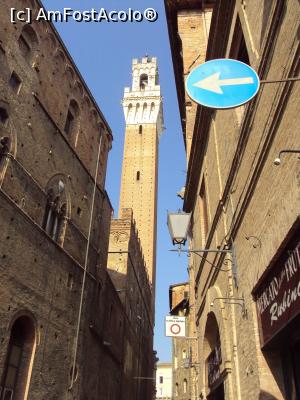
(72, 120)
(184, 386)
(140, 129)
(70, 73)
(212, 349)
(56, 210)
(15, 82)
(143, 81)
(144, 111)
(28, 42)
(52, 41)
(129, 113)
(79, 88)
(152, 114)
(16, 374)
(137, 113)
(60, 59)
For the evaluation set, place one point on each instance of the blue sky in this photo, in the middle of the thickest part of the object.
(103, 53)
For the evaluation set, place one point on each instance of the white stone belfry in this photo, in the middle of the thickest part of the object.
(142, 103)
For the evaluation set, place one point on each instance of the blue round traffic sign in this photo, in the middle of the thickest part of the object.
(222, 83)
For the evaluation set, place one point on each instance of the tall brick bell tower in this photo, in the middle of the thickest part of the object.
(142, 104)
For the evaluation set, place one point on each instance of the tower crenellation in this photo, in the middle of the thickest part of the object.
(142, 102)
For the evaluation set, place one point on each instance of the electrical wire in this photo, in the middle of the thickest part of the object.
(85, 267)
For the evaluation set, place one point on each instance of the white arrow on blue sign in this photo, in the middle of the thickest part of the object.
(222, 83)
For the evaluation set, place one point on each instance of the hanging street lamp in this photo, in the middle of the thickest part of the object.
(178, 224)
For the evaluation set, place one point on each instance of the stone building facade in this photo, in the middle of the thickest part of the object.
(164, 381)
(182, 348)
(240, 200)
(65, 331)
(128, 272)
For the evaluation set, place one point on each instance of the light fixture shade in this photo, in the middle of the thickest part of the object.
(178, 224)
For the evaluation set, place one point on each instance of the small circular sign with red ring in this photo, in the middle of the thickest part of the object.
(175, 325)
(175, 329)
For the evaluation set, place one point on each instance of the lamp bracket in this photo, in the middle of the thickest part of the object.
(240, 301)
(201, 252)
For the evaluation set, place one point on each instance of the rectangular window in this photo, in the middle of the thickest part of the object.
(203, 211)
(161, 379)
(138, 176)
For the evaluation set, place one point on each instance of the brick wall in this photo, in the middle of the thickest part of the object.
(249, 199)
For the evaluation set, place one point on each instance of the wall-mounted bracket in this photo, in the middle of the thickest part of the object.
(202, 252)
(240, 301)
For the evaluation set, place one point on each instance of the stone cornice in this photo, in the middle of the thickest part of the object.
(141, 98)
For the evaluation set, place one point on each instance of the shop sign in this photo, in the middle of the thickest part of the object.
(213, 362)
(278, 297)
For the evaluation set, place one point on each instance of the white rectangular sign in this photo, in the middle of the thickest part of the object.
(175, 326)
